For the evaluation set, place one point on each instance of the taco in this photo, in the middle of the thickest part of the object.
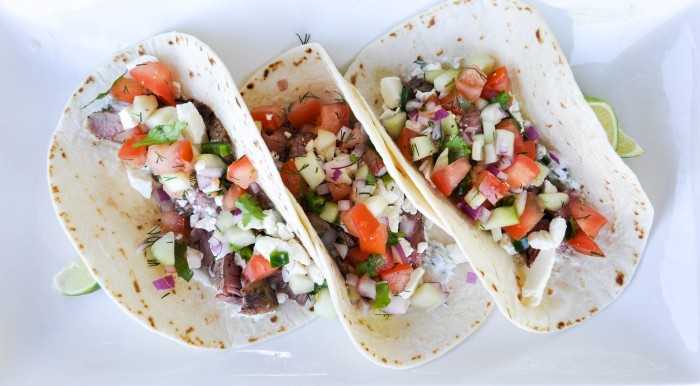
(403, 290)
(183, 227)
(493, 131)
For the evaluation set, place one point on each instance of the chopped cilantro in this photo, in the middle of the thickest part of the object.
(250, 208)
(370, 266)
(245, 252)
(457, 147)
(381, 299)
(163, 134)
(354, 159)
(570, 228)
(502, 99)
(464, 104)
(387, 179)
(279, 258)
(221, 149)
(371, 178)
(318, 287)
(394, 238)
(181, 267)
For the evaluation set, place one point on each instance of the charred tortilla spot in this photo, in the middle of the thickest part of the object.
(393, 34)
(593, 310)
(439, 53)
(212, 61)
(435, 351)
(250, 86)
(136, 287)
(481, 37)
(550, 291)
(415, 358)
(282, 329)
(81, 246)
(266, 73)
(494, 287)
(273, 319)
(384, 360)
(353, 79)
(141, 50)
(537, 34)
(309, 50)
(54, 188)
(170, 42)
(191, 74)
(620, 278)
(150, 319)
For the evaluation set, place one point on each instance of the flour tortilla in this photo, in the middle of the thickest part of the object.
(513, 33)
(106, 218)
(398, 341)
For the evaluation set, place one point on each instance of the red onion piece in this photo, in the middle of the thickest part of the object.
(399, 255)
(351, 279)
(162, 196)
(343, 134)
(471, 277)
(398, 306)
(366, 287)
(336, 174)
(254, 188)
(412, 115)
(492, 169)
(484, 215)
(323, 189)
(384, 220)
(170, 269)
(215, 246)
(278, 164)
(501, 176)
(531, 133)
(505, 163)
(211, 172)
(164, 283)
(440, 114)
(344, 205)
(472, 213)
(359, 184)
(342, 250)
(359, 150)
(466, 136)
(407, 226)
(554, 158)
(203, 182)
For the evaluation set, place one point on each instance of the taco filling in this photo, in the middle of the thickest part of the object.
(463, 129)
(376, 236)
(216, 222)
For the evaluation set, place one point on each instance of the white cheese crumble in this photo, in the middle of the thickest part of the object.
(141, 181)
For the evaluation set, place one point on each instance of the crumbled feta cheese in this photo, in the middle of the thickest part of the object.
(408, 207)
(548, 187)
(207, 223)
(390, 191)
(548, 240)
(194, 258)
(141, 181)
(423, 96)
(514, 111)
(281, 298)
(406, 246)
(195, 130)
(422, 246)
(129, 121)
(315, 274)
(507, 244)
(537, 277)
(393, 213)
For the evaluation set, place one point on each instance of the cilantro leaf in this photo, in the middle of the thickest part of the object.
(163, 134)
(370, 266)
(181, 267)
(382, 298)
(394, 237)
(279, 259)
(250, 208)
(503, 99)
(464, 104)
(457, 147)
(354, 159)
(318, 287)
(245, 252)
(371, 178)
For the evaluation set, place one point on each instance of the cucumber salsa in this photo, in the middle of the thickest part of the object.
(462, 127)
(216, 222)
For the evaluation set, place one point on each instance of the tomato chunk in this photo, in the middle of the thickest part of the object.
(447, 178)
(470, 83)
(527, 148)
(293, 180)
(171, 222)
(404, 142)
(156, 77)
(397, 277)
(361, 223)
(126, 89)
(170, 158)
(333, 117)
(496, 82)
(388, 260)
(533, 213)
(584, 244)
(242, 172)
(590, 221)
(304, 113)
(509, 124)
(230, 197)
(258, 268)
(373, 161)
(355, 256)
(491, 187)
(133, 157)
(270, 117)
(339, 191)
(522, 172)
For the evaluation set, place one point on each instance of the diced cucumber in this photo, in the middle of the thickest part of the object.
(478, 147)
(442, 161)
(548, 187)
(143, 107)
(474, 198)
(506, 139)
(163, 116)
(325, 144)
(210, 161)
(490, 155)
(238, 237)
(376, 204)
(301, 284)
(540, 177)
(502, 217)
(520, 201)
(421, 147)
(413, 281)
(323, 305)
(554, 201)
(430, 75)
(445, 82)
(490, 116)
(426, 296)
(362, 172)
(448, 74)
(224, 220)
(395, 124)
(449, 126)
(163, 249)
(330, 212)
(310, 169)
(391, 88)
(175, 183)
(484, 62)
(221, 149)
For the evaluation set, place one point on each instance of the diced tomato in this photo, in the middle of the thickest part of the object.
(126, 89)
(375, 241)
(258, 268)
(293, 180)
(333, 117)
(508, 124)
(270, 117)
(133, 157)
(491, 187)
(470, 83)
(447, 178)
(404, 142)
(371, 158)
(156, 77)
(522, 172)
(590, 221)
(533, 213)
(388, 260)
(242, 172)
(355, 256)
(432, 98)
(232, 194)
(339, 191)
(361, 223)
(304, 113)
(170, 158)
(527, 148)
(498, 81)
(583, 244)
(397, 277)
(171, 222)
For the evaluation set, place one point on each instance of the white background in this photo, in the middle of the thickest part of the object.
(640, 56)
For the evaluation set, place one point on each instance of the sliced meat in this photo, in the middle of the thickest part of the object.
(349, 241)
(282, 287)
(105, 124)
(231, 285)
(277, 141)
(530, 255)
(297, 144)
(420, 84)
(263, 201)
(470, 122)
(418, 236)
(199, 240)
(259, 298)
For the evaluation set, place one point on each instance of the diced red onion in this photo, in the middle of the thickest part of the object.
(162, 195)
(359, 184)
(504, 147)
(531, 133)
(466, 136)
(164, 283)
(440, 114)
(407, 226)
(384, 220)
(323, 189)
(342, 250)
(554, 158)
(398, 306)
(170, 269)
(278, 164)
(484, 215)
(211, 172)
(472, 213)
(351, 279)
(505, 163)
(215, 246)
(343, 133)
(344, 205)
(493, 170)
(381, 171)
(471, 277)
(359, 150)
(366, 287)
(329, 237)
(399, 255)
(254, 188)
(203, 181)
(167, 206)
(501, 176)
(412, 115)
(413, 104)
(336, 174)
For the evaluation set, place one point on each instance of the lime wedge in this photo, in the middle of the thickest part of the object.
(624, 145)
(75, 280)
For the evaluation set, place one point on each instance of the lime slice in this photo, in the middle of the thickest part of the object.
(624, 145)
(606, 116)
(75, 280)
